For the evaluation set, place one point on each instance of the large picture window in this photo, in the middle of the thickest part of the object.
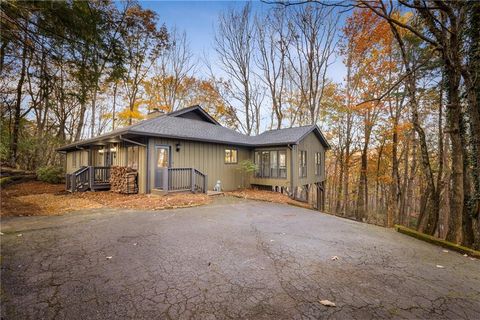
(302, 161)
(271, 164)
(230, 155)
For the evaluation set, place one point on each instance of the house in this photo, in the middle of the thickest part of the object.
(189, 150)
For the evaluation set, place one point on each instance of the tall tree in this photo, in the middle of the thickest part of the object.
(234, 44)
(313, 30)
(144, 42)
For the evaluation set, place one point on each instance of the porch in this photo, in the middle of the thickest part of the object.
(97, 178)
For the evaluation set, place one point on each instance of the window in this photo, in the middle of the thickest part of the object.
(132, 157)
(302, 161)
(318, 163)
(230, 155)
(271, 164)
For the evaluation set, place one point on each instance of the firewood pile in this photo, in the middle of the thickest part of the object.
(123, 180)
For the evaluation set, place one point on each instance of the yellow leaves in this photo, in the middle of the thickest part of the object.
(127, 114)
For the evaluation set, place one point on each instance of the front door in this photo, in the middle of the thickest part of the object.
(162, 162)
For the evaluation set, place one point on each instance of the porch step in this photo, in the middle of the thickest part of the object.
(212, 193)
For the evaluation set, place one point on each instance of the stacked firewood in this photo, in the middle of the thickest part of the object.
(123, 180)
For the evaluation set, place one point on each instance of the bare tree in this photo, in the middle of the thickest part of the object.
(313, 30)
(234, 44)
(173, 67)
(273, 40)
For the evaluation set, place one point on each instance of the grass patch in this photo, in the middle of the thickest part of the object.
(437, 241)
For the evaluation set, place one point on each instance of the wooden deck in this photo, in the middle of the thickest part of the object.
(98, 178)
(88, 178)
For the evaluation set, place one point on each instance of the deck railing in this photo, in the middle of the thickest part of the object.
(186, 179)
(97, 178)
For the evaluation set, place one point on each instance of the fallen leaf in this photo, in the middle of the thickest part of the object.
(334, 258)
(1, 233)
(465, 255)
(109, 257)
(440, 266)
(327, 303)
(445, 250)
(19, 235)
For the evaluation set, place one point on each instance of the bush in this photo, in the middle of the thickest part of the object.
(50, 174)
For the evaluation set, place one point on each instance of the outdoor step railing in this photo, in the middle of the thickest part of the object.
(88, 178)
(78, 180)
(186, 179)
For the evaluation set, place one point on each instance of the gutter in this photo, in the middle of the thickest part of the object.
(131, 141)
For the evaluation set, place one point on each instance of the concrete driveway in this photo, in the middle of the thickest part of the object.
(231, 259)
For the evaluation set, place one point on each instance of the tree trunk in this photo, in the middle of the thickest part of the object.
(92, 120)
(18, 109)
(114, 104)
(362, 187)
(454, 114)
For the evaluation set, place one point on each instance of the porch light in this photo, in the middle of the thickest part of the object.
(177, 147)
(114, 149)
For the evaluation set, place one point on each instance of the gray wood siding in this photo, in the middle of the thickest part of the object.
(81, 160)
(208, 158)
(311, 144)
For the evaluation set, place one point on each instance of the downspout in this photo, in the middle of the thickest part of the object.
(147, 169)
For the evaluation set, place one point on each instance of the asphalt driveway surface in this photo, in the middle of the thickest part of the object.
(231, 259)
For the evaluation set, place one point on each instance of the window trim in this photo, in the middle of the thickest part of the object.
(302, 164)
(318, 163)
(231, 154)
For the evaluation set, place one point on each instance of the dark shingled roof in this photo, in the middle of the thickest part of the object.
(173, 126)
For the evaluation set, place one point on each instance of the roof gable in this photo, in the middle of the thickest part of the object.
(291, 135)
(194, 113)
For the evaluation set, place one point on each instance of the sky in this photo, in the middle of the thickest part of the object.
(199, 19)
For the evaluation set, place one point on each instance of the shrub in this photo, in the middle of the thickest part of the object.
(50, 174)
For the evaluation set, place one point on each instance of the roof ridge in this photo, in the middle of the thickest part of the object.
(304, 126)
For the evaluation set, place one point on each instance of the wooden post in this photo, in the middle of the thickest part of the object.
(73, 183)
(91, 177)
(192, 179)
(165, 179)
(205, 184)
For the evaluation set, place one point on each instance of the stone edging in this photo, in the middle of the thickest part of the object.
(437, 241)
